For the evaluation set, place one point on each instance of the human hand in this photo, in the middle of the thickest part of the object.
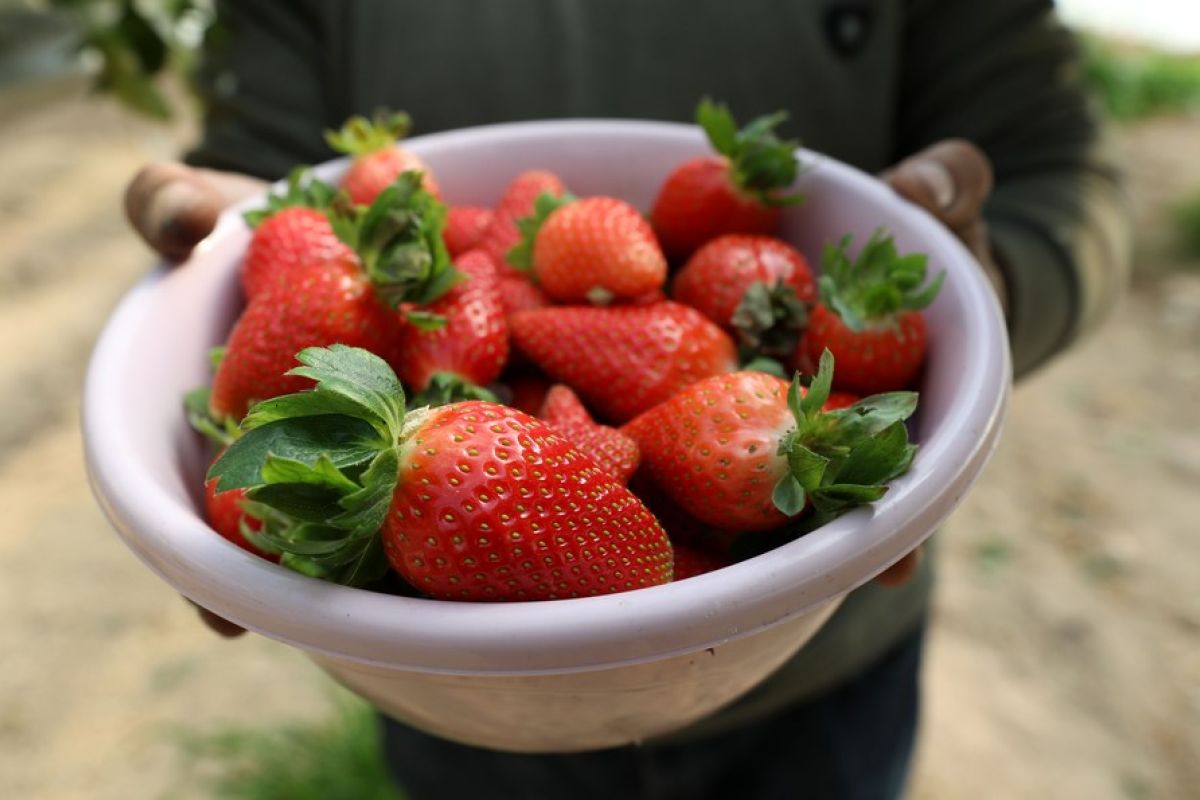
(173, 206)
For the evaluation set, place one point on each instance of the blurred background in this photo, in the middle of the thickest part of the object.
(1065, 652)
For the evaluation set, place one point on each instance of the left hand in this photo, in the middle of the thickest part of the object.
(951, 180)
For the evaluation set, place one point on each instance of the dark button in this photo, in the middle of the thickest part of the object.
(847, 25)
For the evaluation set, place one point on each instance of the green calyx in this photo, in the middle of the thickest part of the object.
(760, 163)
(302, 190)
(399, 240)
(321, 465)
(877, 285)
(521, 254)
(360, 136)
(844, 458)
(220, 432)
(769, 320)
(446, 387)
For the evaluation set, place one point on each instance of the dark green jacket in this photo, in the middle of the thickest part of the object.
(866, 81)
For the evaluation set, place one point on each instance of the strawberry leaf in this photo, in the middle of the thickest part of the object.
(302, 190)
(323, 473)
(356, 375)
(359, 136)
(521, 254)
(789, 496)
(301, 502)
(200, 417)
(346, 441)
(446, 387)
(759, 162)
(877, 285)
(769, 319)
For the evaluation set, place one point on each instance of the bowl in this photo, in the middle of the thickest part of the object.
(559, 675)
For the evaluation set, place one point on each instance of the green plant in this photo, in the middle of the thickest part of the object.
(334, 759)
(1137, 83)
(1186, 222)
(134, 44)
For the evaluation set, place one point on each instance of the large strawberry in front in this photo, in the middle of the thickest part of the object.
(468, 501)
(749, 451)
(737, 190)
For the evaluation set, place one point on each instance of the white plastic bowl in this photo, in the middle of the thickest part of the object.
(540, 676)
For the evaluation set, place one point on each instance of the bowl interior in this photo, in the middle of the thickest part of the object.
(146, 464)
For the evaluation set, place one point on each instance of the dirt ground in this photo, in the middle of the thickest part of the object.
(1065, 655)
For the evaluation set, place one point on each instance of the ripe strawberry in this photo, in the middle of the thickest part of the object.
(472, 344)
(613, 451)
(295, 228)
(227, 516)
(321, 304)
(755, 287)
(377, 160)
(516, 202)
(517, 293)
(735, 191)
(869, 316)
(597, 250)
(748, 452)
(624, 360)
(464, 227)
(691, 561)
(401, 259)
(840, 400)
(470, 501)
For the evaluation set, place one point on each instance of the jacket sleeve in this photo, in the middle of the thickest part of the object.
(1006, 76)
(264, 86)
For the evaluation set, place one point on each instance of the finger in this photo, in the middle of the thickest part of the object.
(220, 625)
(901, 572)
(950, 179)
(171, 208)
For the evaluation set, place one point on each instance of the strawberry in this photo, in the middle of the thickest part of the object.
(464, 227)
(869, 316)
(613, 451)
(840, 400)
(377, 160)
(295, 228)
(472, 344)
(227, 517)
(624, 360)
(597, 250)
(517, 293)
(691, 561)
(469, 501)
(516, 202)
(401, 260)
(527, 392)
(755, 287)
(735, 191)
(748, 452)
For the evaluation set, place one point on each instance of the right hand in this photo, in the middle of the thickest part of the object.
(174, 206)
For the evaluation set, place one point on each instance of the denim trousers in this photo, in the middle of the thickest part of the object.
(852, 743)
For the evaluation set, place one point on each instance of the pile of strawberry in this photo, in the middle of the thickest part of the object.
(527, 402)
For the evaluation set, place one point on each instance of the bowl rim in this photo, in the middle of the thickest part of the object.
(541, 637)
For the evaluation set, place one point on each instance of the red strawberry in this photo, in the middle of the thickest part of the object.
(869, 316)
(529, 392)
(469, 501)
(377, 159)
(226, 516)
(321, 304)
(516, 202)
(624, 360)
(840, 400)
(289, 239)
(464, 228)
(756, 287)
(735, 191)
(747, 452)
(597, 249)
(472, 344)
(613, 451)
(691, 561)
(401, 259)
(518, 294)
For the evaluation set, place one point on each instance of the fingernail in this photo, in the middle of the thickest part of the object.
(937, 179)
(161, 217)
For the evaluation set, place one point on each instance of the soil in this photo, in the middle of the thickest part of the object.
(1064, 658)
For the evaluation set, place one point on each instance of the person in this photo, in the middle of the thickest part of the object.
(974, 111)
